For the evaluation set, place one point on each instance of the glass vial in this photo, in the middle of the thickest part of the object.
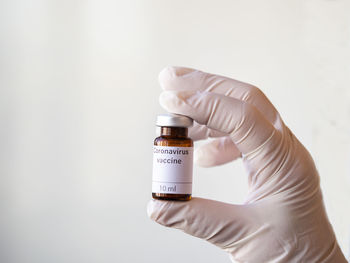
(172, 159)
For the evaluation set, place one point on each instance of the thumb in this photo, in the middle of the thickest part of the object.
(219, 223)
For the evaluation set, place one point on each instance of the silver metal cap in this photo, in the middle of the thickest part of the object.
(174, 120)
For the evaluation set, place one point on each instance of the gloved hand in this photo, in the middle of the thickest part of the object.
(283, 218)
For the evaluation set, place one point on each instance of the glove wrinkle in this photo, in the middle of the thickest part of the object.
(250, 154)
(263, 229)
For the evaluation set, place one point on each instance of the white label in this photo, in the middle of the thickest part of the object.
(172, 170)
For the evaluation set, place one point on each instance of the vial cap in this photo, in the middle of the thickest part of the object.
(174, 120)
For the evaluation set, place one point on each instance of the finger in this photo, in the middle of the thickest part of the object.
(247, 126)
(216, 152)
(202, 132)
(219, 223)
(179, 78)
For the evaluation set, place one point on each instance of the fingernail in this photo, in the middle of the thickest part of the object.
(172, 71)
(176, 101)
(180, 71)
(173, 78)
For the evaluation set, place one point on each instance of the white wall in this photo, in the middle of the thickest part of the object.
(79, 95)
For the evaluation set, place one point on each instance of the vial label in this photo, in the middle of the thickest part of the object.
(172, 170)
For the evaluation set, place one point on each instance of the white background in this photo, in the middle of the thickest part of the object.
(79, 96)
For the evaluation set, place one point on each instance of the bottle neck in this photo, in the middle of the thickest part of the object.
(179, 132)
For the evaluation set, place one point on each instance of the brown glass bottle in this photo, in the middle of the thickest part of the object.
(176, 137)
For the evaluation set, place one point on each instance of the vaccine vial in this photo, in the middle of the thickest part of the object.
(172, 159)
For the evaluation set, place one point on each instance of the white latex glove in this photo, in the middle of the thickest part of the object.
(283, 218)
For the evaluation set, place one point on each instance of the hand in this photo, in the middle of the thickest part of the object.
(283, 218)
